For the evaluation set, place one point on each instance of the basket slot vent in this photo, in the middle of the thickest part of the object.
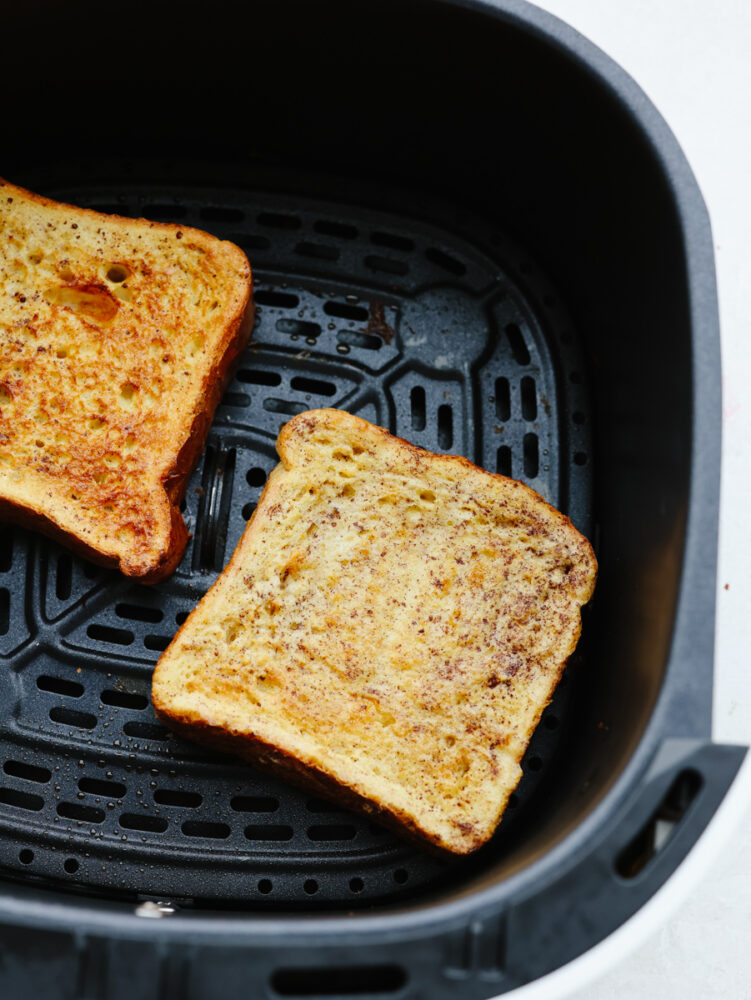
(180, 799)
(282, 300)
(342, 230)
(316, 386)
(124, 699)
(332, 831)
(355, 338)
(21, 800)
(417, 406)
(77, 811)
(503, 460)
(345, 310)
(143, 822)
(139, 613)
(269, 831)
(445, 427)
(222, 213)
(298, 327)
(254, 803)
(107, 633)
(58, 685)
(279, 220)
(64, 576)
(67, 717)
(392, 241)
(531, 456)
(146, 731)
(27, 772)
(98, 786)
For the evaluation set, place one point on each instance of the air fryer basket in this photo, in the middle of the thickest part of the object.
(469, 226)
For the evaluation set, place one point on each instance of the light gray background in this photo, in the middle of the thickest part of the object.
(693, 59)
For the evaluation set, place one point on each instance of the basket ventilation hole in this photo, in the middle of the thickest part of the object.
(531, 456)
(164, 213)
(173, 797)
(21, 800)
(265, 886)
(417, 404)
(139, 613)
(64, 577)
(67, 717)
(310, 886)
(529, 398)
(401, 876)
(316, 386)
(288, 406)
(26, 856)
(279, 220)
(356, 884)
(282, 300)
(124, 699)
(106, 789)
(339, 229)
(580, 458)
(254, 376)
(502, 399)
(71, 866)
(503, 460)
(106, 633)
(653, 836)
(392, 241)
(255, 477)
(332, 832)
(220, 213)
(57, 685)
(354, 338)
(445, 427)
(328, 981)
(27, 772)
(345, 310)
(298, 327)
(254, 803)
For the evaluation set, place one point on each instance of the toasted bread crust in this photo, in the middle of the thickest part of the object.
(95, 304)
(316, 692)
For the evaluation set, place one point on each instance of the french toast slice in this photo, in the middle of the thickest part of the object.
(388, 631)
(117, 337)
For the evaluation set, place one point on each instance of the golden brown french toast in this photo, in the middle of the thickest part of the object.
(388, 631)
(116, 340)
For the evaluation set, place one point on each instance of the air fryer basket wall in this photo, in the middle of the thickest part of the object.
(495, 112)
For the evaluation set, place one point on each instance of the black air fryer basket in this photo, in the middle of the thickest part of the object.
(467, 225)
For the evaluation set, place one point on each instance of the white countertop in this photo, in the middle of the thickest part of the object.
(693, 59)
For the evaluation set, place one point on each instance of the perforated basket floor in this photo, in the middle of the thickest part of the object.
(451, 342)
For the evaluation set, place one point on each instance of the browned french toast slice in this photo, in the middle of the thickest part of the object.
(388, 632)
(116, 339)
